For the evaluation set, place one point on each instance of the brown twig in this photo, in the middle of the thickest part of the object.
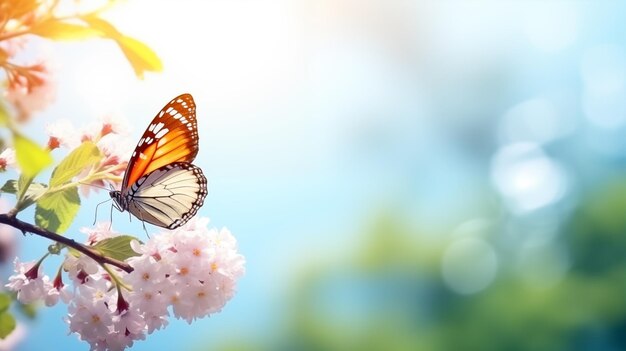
(97, 256)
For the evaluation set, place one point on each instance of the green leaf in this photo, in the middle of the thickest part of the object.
(55, 211)
(31, 194)
(86, 155)
(60, 30)
(117, 247)
(34, 191)
(5, 302)
(23, 183)
(9, 187)
(28, 309)
(31, 157)
(7, 324)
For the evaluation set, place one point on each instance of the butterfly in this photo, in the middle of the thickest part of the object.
(160, 185)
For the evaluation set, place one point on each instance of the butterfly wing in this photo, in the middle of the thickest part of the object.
(172, 136)
(168, 196)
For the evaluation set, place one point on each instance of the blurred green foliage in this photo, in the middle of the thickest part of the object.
(389, 293)
(7, 321)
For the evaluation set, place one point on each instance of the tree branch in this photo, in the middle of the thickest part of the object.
(94, 254)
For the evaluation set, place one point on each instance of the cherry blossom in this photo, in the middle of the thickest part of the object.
(7, 159)
(13, 46)
(101, 231)
(103, 126)
(189, 273)
(31, 89)
(29, 282)
(58, 291)
(62, 133)
(109, 134)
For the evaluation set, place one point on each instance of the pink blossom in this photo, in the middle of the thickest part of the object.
(29, 282)
(106, 125)
(80, 268)
(55, 293)
(113, 124)
(190, 273)
(62, 133)
(130, 321)
(199, 270)
(115, 148)
(101, 231)
(31, 89)
(90, 318)
(7, 159)
(14, 45)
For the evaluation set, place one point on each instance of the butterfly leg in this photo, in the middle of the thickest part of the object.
(143, 223)
(145, 230)
(111, 218)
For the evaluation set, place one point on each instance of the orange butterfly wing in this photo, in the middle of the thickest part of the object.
(172, 136)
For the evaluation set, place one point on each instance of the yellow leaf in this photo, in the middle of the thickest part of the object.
(101, 25)
(58, 30)
(140, 56)
(4, 116)
(31, 157)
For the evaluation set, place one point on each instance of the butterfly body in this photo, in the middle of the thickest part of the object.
(160, 185)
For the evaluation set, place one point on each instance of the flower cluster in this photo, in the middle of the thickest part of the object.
(190, 272)
(110, 136)
(31, 88)
(105, 304)
(30, 284)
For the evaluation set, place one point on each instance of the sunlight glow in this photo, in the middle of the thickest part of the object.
(244, 56)
(527, 178)
(104, 82)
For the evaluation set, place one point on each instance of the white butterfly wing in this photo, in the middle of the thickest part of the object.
(168, 196)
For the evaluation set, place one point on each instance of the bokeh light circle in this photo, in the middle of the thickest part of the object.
(469, 265)
(527, 178)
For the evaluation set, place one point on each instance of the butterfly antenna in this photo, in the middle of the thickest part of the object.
(95, 217)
